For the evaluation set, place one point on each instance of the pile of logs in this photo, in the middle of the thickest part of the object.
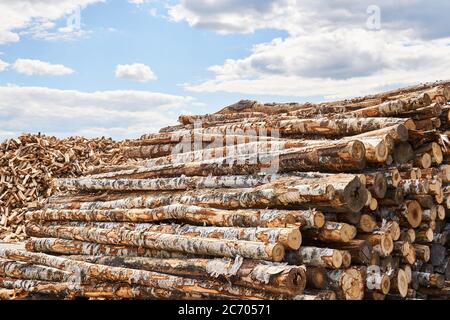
(27, 166)
(341, 200)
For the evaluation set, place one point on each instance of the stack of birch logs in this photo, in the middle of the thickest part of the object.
(27, 166)
(340, 200)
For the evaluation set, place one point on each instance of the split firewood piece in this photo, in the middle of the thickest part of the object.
(20, 270)
(381, 242)
(429, 280)
(74, 247)
(185, 213)
(288, 237)
(170, 242)
(132, 276)
(316, 257)
(332, 231)
(272, 277)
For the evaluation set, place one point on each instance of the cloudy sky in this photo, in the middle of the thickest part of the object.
(123, 68)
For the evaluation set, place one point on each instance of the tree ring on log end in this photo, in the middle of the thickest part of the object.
(352, 285)
(358, 150)
(336, 259)
(414, 213)
(355, 195)
(402, 283)
(294, 239)
(385, 284)
(386, 244)
(278, 252)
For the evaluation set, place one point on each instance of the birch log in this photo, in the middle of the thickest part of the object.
(184, 213)
(160, 241)
(288, 237)
(272, 277)
(132, 276)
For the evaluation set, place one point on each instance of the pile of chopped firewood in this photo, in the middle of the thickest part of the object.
(27, 166)
(341, 200)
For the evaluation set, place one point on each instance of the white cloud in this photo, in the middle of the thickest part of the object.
(120, 113)
(328, 50)
(136, 71)
(138, 1)
(35, 17)
(3, 65)
(305, 16)
(36, 67)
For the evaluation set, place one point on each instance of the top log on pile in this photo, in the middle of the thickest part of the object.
(434, 90)
(288, 126)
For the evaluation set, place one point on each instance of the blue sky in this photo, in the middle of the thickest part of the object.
(134, 66)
